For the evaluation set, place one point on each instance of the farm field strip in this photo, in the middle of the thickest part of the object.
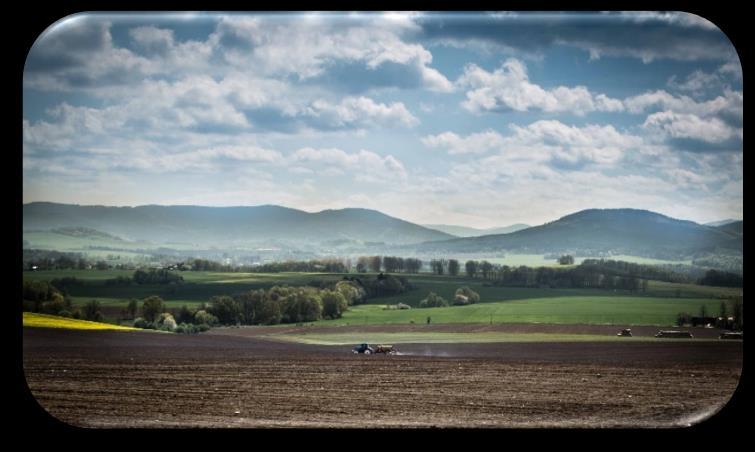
(559, 310)
(35, 320)
(457, 338)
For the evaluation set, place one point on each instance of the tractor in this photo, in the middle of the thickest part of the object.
(367, 349)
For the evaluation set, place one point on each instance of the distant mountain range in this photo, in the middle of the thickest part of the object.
(735, 227)
(215, 226)
(589, 232)
(598, 231)
(716, 224)
(463, 231)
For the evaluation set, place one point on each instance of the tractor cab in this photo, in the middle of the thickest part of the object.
(363, 348)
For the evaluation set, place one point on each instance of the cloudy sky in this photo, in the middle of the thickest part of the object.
(480, 120)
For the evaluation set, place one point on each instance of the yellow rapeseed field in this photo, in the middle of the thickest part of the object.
(32, 319)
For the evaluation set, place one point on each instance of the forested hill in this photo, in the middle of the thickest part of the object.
(735, 227)
(595, 231)
(223, 225)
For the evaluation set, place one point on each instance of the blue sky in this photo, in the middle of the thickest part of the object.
(473, 119)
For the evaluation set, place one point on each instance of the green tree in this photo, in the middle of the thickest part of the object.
(184, 315)
(152, 307)
(333, 304)
(132, 307)
(92, 311)
(453, 267)
(375, 263)
(226, 309)
(736, 312)
(471, 268)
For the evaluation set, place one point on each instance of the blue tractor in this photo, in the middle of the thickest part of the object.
(368, 350)
(364, 348)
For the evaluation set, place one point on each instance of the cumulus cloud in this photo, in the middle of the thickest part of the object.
(307, 47)
(360, 112)
(476, 143)
(544, 141)
(662, 100)
(689, 126)
(364, 165)
(509, 88)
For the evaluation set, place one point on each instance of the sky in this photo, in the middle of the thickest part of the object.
(481, 120)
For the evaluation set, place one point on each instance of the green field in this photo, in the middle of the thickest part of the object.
(658, 306)
(618, 310)
(455, 338)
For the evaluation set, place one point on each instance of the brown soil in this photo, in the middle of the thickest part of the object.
(147, 379)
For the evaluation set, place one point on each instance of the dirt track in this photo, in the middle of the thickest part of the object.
(149, 379)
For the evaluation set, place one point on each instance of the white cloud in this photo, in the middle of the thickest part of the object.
(305, 48)
(476, 143)
(731, 103)
(681, 125)
(361, 112)
(695, 82)
(363, 165)
(509, 88)
(544, 141)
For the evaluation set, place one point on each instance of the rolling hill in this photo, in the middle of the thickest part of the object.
(602, 231)
(213, 226)
(735, 227)
(463, 231)
(716, 224)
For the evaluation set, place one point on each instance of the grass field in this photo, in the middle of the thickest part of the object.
(455, 338)
(658, 306)
(614, 310)
(51, 321)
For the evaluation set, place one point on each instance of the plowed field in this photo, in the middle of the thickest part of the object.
(148, 379)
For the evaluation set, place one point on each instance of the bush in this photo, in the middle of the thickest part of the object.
(142, 323)
(433, 300)
(464, 295)
(166, 322)
(202, 327)
(460, 300)
(203, 317)
(187, 328)
(54, 306)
